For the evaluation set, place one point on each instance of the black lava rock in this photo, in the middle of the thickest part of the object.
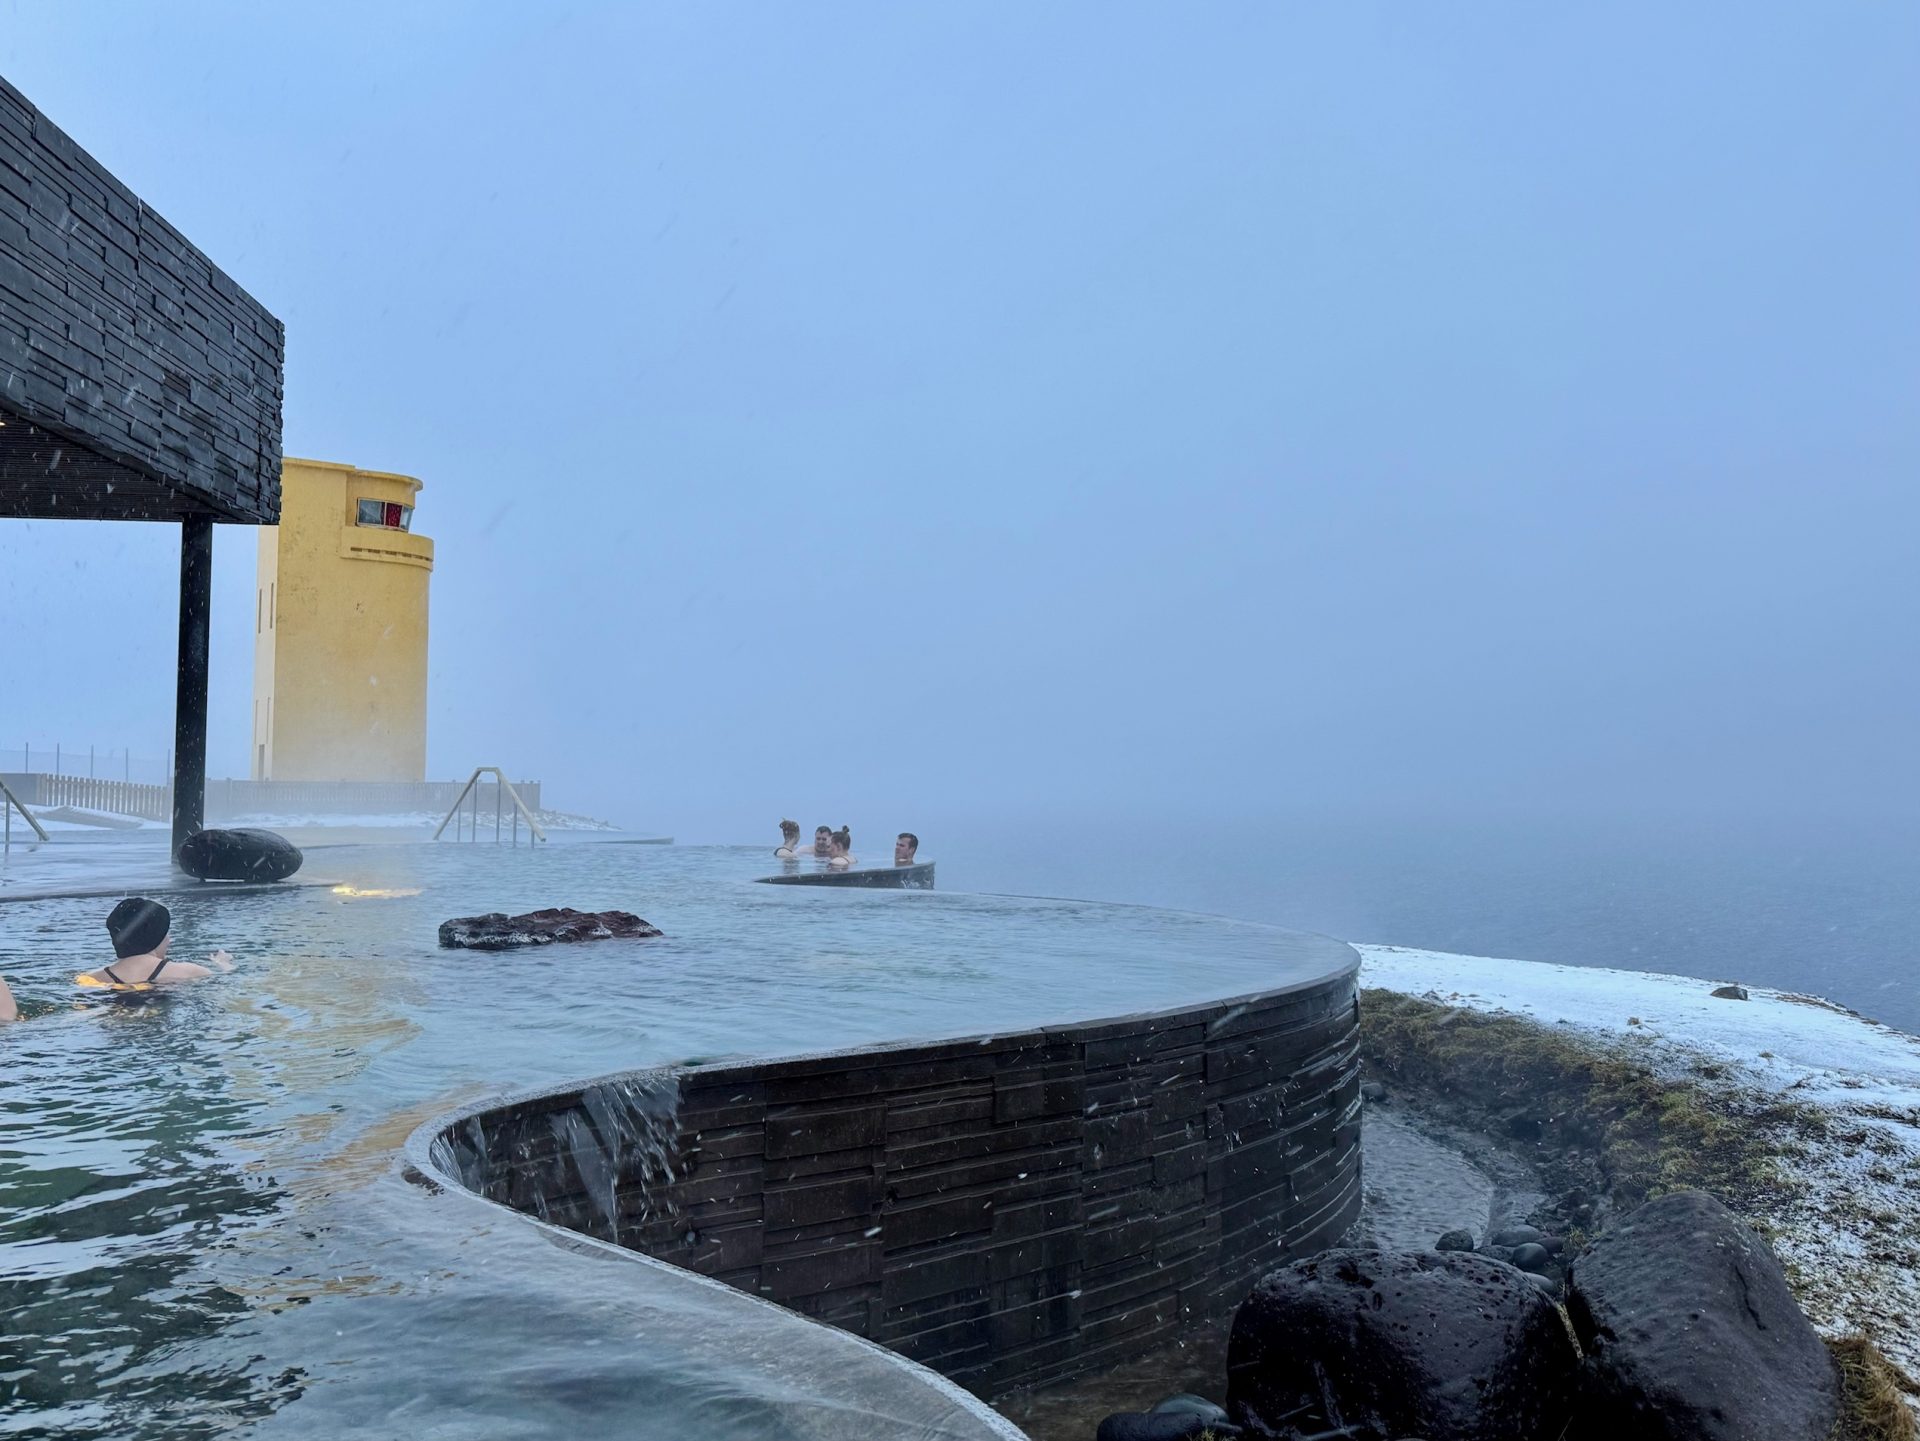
(1691, 1333)
(1187, 1403)
(1515, 1236)
(1374, 1092)
(1730, 993)
(238, 855)
(1160, 1425)
(497, 931)
(1458, 1239)
(1531, 1257)
(1447, 1346)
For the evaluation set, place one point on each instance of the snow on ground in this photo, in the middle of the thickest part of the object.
(77, 818)
(1851, 1236)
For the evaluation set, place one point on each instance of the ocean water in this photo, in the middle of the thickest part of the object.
(1824, 906)
(202, 1220)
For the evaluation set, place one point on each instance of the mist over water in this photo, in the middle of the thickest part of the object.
(1443, 479)
(1819, 906)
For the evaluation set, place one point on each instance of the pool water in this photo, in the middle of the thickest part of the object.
(202, 1217)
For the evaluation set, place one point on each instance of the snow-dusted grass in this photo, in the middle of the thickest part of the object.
(1847, 1224)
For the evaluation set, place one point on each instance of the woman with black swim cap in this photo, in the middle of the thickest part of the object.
(142, 933)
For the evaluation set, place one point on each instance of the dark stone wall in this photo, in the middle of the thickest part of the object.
(120, 338)
(1008, 1209)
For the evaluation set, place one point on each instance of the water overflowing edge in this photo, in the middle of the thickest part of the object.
(426, 1158)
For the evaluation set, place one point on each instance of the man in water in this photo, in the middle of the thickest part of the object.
(142, 932)
(823, 840)
(904, 846)
(8, 1010)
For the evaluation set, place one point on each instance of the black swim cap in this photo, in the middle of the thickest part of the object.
(137, 925)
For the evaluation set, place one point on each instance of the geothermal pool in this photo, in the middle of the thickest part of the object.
(202, 1213)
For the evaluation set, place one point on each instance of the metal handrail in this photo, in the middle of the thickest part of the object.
(9, 803)
(506, 788)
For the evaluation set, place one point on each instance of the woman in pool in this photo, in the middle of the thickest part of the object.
(142, 934)
(141, 931)
(789, 841)
(840, 849)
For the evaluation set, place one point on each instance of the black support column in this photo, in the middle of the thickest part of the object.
(190, 697)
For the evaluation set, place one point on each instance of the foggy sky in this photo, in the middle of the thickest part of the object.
(878, 413)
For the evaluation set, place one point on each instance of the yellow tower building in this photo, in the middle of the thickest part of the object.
(340, 631)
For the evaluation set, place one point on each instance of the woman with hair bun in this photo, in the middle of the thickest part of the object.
(840, 855)
(789, 841)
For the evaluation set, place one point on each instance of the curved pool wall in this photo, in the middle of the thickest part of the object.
(1008, 1209)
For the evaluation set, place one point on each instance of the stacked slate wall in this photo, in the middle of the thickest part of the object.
(1007, 1210)
(118, 334)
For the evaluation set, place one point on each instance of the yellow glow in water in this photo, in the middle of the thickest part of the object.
(376, 892)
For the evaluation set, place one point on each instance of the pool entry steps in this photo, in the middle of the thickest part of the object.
(1007, 1209)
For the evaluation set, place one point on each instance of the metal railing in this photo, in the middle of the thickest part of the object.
(115, 797)
(9, 803)
(503, 790)
(90, 762)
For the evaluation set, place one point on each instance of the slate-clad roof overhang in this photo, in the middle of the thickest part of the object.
(137, 381)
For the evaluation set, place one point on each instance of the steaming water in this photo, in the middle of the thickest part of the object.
(203, 1222)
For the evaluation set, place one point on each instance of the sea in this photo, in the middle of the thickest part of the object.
(1827, 906)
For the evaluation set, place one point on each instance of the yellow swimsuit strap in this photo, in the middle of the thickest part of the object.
(95, 981)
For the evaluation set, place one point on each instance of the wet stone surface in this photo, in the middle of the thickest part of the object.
(497, 931)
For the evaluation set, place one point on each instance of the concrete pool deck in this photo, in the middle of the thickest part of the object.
(77, 863)
(76, 866)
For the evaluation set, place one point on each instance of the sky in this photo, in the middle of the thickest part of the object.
(898, 414)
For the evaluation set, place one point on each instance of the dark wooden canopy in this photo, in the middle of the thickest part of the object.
(137, 382)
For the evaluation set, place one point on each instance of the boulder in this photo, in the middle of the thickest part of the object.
(1730, 993)
(1515, 1236)
(1374, 1092)
(1158, 1425)
(238, 855)
(1691, 1333)
(1185, 1403)
(1458, 1239)
(1531, 1256)
(497, 931)
(1447, 1346)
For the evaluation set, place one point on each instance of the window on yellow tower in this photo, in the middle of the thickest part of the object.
(388, 514)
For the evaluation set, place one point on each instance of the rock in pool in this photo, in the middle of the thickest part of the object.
(1374, 1091)
(1730, 993)
(1691, 1333)
(498, 931)
(1458, 1239)
(1447, 1346)
(239, 855)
